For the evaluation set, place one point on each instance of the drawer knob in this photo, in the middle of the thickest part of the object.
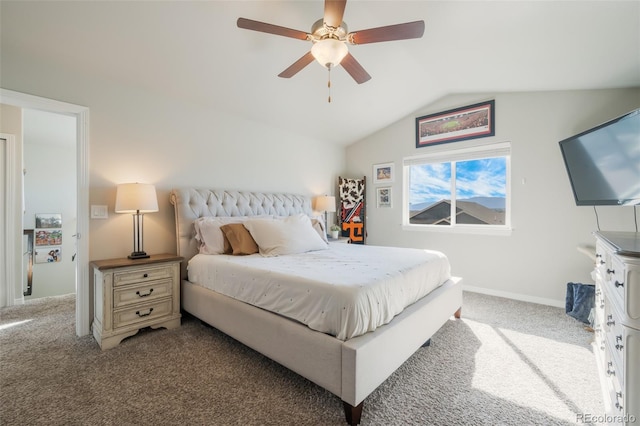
(611, 271)
(146, 294)
(145, 276)
(144, 314)
(618, 284)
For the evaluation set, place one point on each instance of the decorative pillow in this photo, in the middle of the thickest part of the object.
(212, 239)
(293, 234)
(318, 224)
(239, 238)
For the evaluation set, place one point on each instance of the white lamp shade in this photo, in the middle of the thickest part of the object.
(326, 203)
(134, 197)
(329, 52)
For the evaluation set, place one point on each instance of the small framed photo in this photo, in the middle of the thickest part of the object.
(48, 254)
(459, 124)
(383, 197)
(383, 173)
(48, 220)
(47, 237)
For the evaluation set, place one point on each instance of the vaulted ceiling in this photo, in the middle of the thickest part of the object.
(193, 51)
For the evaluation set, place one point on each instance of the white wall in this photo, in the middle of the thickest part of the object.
(141, 138)
(537, 260)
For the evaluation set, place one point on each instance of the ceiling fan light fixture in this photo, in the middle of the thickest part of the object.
(329, 52)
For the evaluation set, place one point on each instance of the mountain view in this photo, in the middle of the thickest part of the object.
(494, 203)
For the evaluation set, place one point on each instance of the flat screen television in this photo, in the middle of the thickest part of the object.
(603, 163)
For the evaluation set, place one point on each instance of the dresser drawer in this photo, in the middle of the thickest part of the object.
(141, 313)
(141, 275)
(127, 295)
(616, 276)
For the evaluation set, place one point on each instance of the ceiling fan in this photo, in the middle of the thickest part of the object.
(330, 37)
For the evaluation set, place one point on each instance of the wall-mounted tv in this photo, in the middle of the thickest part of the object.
(603, 163)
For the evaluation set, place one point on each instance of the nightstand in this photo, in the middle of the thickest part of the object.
(133, 294)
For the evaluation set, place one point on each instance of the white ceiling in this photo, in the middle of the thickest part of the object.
(193, 51)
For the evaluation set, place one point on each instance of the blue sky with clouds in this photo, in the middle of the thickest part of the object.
(475, 178)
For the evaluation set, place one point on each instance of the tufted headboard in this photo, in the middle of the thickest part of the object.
(192, 203)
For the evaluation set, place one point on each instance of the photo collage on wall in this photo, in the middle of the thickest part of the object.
(48, 238)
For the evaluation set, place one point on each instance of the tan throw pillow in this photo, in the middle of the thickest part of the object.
(240, 239)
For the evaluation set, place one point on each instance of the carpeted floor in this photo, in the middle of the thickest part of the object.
(504, 363)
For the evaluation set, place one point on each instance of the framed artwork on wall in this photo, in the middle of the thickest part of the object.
(48, 220)
(48, 254)
(383, 197)
(458, 124)
(383, 173)
(48, 237)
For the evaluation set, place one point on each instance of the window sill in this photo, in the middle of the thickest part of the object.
(461, 229)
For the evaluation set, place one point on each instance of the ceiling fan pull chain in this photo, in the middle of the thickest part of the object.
(329, 83)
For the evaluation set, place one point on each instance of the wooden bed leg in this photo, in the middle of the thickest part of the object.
(458, 313)
(353, 414)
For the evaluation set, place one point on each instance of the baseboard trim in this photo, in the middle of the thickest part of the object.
(515, 296)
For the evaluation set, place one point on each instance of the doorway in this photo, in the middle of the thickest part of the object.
(14, 190)
(50, 206)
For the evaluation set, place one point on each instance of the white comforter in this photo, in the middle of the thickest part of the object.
(345, 291)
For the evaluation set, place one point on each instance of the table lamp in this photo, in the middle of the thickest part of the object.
(137, 199)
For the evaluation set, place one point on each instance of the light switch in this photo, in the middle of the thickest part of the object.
(99, 212)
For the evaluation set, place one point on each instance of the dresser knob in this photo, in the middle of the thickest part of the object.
(611, 271)
(618, 284)
(145, 276)
(618, 396)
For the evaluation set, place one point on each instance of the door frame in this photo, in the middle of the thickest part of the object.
(9, 221)
(23, 100)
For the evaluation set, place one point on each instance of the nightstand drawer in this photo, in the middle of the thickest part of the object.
(141, 275)
(123, 296)
(143, 312)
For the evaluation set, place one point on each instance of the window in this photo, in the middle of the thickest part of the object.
(463, 189)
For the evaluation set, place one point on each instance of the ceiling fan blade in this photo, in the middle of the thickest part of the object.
(389, 33)
(249, 24)
(354, 69)
(333, 12)
(297, 66)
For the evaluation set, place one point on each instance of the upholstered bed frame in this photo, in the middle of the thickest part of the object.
(350, 369)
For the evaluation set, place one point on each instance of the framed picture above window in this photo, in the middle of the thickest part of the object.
(383, 173)
(383, 197)
(468, 122)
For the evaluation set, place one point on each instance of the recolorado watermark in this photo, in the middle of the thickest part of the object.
(589, 418)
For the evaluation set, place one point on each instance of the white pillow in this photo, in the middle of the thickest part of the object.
(209, 234)
(293, 234)
(317, 223)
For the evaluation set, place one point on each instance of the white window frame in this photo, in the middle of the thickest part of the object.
(443, 155)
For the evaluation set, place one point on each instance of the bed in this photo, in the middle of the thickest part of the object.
(350, 362)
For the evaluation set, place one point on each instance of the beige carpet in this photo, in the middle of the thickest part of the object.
(503, 363)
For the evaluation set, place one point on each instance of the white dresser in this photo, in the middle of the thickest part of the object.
(617, 323)
(134, 294)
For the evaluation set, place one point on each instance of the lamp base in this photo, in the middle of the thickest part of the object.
(138, 255)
